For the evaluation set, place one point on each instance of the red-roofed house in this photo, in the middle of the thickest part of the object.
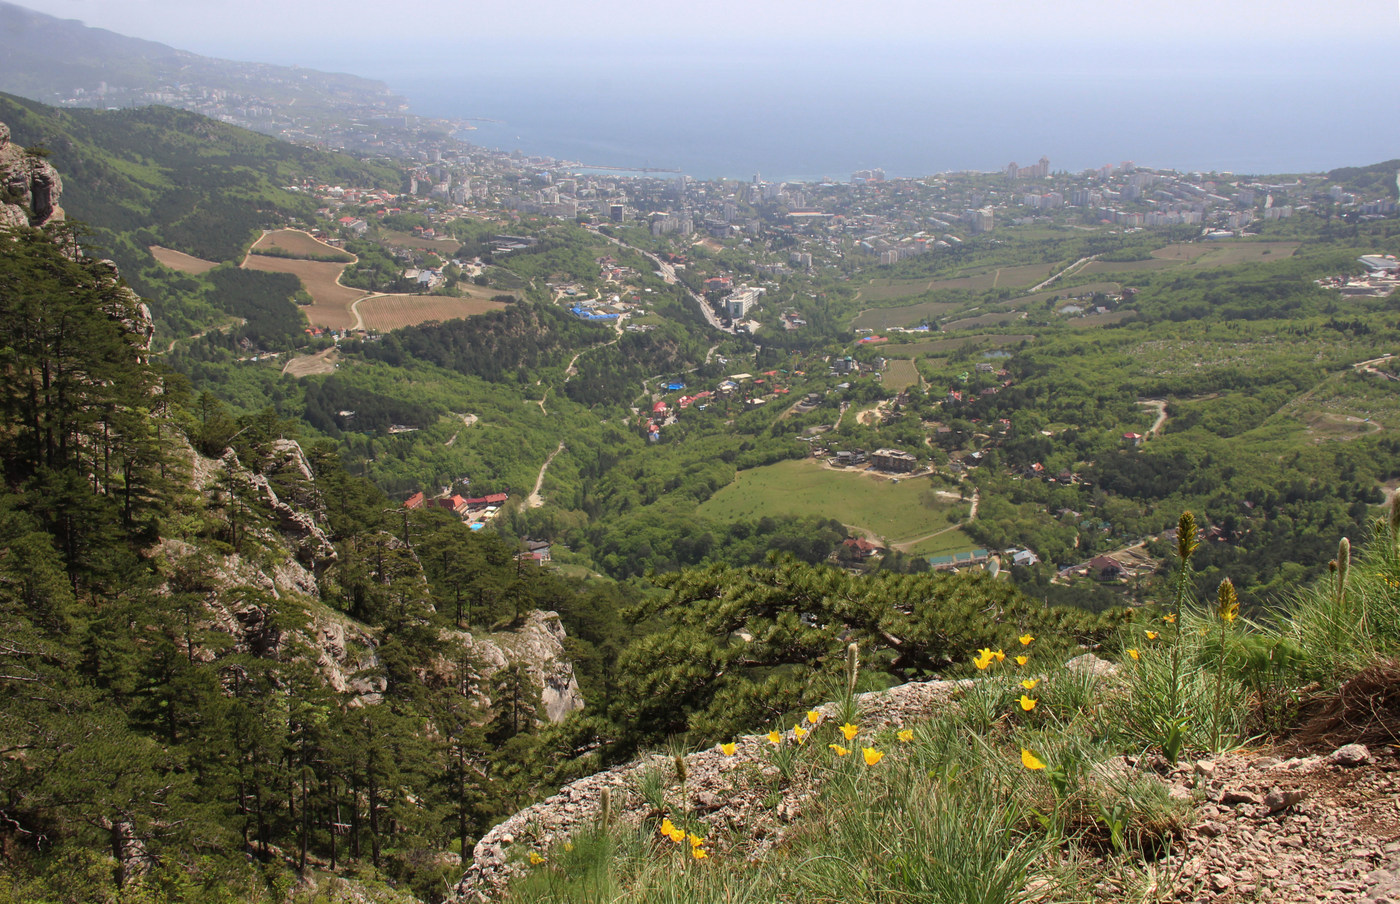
(416, 501)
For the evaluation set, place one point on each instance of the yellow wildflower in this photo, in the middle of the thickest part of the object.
(1030, 683)
(872, 756)
(1030, 760)
(698, 853)
(1022, 660)
(695, 840)
(1001, 657)
(813, 716)
(800, 733)
(728, 749)
(906, 735)
(982, 662)
(1169, 618)
(535, 858)
(1134, 654)
(840, 751)
(1026, 639)
(678, 835)
(568, 847)
(1151, 635)
(667, 827)
(1027, 703)
(849, 730)
(774, 738)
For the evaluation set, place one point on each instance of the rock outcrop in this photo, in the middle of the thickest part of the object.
(538, 646)
(29, 186)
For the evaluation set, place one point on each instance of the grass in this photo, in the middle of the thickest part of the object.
(896, 511)
(943, 544)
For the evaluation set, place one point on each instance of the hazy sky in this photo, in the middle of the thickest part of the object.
(281, 30)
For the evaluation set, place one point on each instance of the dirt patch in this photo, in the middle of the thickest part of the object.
(179, 260)
(313, 365)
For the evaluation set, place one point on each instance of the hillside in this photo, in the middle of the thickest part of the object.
(60, 60)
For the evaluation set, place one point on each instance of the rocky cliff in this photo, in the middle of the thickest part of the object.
(29, 186)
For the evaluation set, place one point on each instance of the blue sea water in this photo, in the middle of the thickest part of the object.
(807, 113)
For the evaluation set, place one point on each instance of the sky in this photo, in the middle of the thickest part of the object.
(287, 31)
(809, 87)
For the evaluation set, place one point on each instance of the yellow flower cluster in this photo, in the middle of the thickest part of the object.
(677, 835)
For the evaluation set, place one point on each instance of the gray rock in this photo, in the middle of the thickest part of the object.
(1277, 800)
(1350, 755)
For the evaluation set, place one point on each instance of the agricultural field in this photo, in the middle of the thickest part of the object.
(1199, 255)
(943, 346)
(898, 512)
(297, 243)
(885, 318)
(331, 301)
(983, 320)
(389, 312)
(439, 246)
(180, 261)
(900, 373)
(1002, 277)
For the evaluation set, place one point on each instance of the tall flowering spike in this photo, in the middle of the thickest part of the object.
(1227, 603)
(680, 768)
(852, 667)
(1343, 564)
(1186, 536)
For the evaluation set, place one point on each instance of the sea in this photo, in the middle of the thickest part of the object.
(815, 112)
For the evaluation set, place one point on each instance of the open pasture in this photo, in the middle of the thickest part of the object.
(907, 510)
(389, 312)
(180, 261)
(1000, 277)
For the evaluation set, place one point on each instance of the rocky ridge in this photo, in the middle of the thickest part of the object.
(1264, 827)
